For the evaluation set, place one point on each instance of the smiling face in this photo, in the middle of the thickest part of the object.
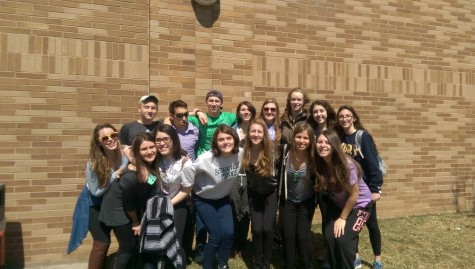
(324, 148)
(214, 105)
(301, 141)
(296, 102)
(148, 151)
(108, 139)
(164, 144)
(319, 114)
(225, 144)
(346, 119)
(148, 111)
(256, 133)
(245, 113)
(269, 112)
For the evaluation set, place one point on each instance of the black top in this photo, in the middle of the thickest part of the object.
(130, 130)
(125, 194)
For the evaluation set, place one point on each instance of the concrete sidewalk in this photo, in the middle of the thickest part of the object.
(79, 265)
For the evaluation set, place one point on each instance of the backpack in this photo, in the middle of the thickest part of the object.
(358, 139)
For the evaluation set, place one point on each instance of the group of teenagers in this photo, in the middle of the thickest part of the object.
(218, 172)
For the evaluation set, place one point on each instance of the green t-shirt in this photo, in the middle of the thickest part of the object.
(207, 131)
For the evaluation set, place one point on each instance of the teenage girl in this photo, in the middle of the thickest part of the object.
(349, 124)
(350, 203)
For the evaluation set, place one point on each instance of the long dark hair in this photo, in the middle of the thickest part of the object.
(139, 163)
(225, 130)
(357, 123)
(251, 108)
(331, 115)
(177, 151)
(339, 170)
(97, 156)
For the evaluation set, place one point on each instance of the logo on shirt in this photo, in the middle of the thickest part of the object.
(229, 171)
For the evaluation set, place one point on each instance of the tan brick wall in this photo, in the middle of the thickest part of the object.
(406, 66)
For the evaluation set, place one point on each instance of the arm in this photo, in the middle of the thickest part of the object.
(200, 115)
(93, 182)
(128, 199)
(374, 177)
(353, 192)
(184, 192)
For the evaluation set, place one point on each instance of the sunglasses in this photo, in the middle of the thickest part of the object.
(181, 115)
(105, 138)
(271, 109)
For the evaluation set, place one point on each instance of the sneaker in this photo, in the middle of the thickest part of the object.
(378, 265)
(223, 267)
(199, 254)
(358, 263)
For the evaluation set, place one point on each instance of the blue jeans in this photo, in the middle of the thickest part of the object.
(217, 216)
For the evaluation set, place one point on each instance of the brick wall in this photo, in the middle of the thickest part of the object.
(406, 66)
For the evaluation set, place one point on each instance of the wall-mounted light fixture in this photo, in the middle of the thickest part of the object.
(206, 2)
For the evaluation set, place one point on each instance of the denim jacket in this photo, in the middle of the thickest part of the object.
(81, 212)
(80, 220)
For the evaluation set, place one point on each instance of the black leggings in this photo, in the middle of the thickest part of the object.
(98, 230)
(296, 221)
(374, 232)
(263, 210)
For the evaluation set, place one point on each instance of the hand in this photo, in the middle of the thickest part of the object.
(339, 228)
(119, 172)
(375, 196)
(136, 228)
(202, 117)
(127, 150)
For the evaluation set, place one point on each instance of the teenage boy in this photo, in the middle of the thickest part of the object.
(148, 107)
(186, 131)
(214, 117)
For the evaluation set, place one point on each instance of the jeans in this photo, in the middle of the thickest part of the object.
(217, 217)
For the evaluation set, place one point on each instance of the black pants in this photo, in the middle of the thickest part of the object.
(263, 210)
(296, 221)
(342, 250)
(374, 232)
(98, 230)
(127, 243)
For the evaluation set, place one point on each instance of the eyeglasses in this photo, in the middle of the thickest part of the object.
(271, 109)
(347, 117)
(165, 140)
(106, 138)
(181, 115)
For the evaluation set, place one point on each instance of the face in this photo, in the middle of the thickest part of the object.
(214, 104)
(256, 133)
(225, 144)
(324, 149)
(296, 101)
(270, 112)
(180, 118)
(148, 151)
(319, 114)
(108, 139)
(164, 144)
(245, 113)
(301, 140)
(148, 111)
(345, 119)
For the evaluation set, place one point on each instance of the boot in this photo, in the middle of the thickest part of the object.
(98, 255)
(258, 263)
(121, 261)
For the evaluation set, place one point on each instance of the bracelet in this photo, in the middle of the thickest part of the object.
(342, 218)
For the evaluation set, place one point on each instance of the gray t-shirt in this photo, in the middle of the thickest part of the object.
(213, 176)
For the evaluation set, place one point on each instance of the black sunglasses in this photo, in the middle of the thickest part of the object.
(181, 115)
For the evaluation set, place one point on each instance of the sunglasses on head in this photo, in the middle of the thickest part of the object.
(271, 109)
(106, 138)
(181, 115)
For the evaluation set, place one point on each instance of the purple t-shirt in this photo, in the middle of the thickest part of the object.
(364, 196)
(189, 140)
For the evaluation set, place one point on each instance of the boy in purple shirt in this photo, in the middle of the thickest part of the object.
(187, 132)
